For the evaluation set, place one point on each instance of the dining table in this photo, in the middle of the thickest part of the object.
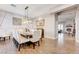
(28, 34)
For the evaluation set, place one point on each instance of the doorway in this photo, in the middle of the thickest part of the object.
(60, 33)
(66, 25)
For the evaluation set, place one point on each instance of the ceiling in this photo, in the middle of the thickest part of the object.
(68, 15)
(34, 9)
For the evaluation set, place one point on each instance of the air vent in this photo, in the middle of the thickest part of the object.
(13, 5)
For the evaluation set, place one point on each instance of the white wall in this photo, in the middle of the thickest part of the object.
(49, 23)
(8, 25)
(7, 22)
(77, 25)
(50, 26)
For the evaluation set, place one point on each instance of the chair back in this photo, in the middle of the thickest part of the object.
(36, 36)
(40, 33)
(15, 34)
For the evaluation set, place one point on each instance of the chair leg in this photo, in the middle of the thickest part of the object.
(38, 43)
(33, 45)
(41, 39)
(0, 37)
(19, 47)
(4, 38)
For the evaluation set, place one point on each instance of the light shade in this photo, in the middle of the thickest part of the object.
(26, 21)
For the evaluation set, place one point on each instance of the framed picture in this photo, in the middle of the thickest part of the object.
(40, 22)
(17, 21)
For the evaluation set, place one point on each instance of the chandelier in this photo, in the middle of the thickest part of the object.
(26, 19)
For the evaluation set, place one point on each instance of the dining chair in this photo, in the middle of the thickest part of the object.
(35, 39)
(4, 34)
(8, 34)
(19, 40)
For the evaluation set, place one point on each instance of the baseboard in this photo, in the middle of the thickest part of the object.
(50, 38)
(77, 41)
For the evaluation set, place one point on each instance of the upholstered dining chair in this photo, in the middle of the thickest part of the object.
(8, 34)
(36, 38)
(4, 34)
(19, 40)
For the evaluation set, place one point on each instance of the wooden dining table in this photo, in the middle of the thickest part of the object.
(27, 34)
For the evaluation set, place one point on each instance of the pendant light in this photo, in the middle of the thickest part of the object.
(25, 18)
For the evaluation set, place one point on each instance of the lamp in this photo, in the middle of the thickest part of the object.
(26, 18)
